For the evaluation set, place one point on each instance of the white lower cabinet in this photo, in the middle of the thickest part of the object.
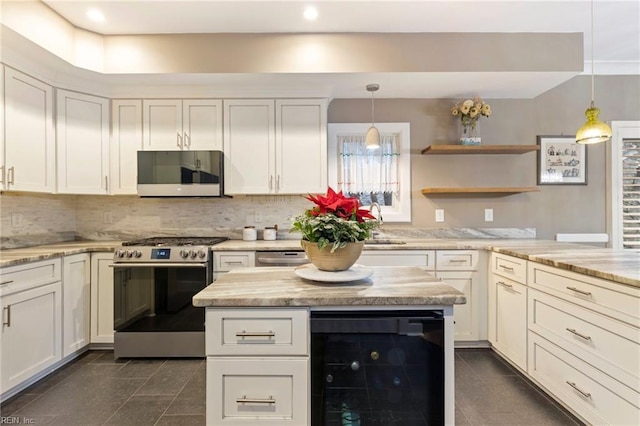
(461, 269)
(31, 341)
(76, 302)
(508, 320)
(102, 298)
(584, 343)
(249, 391)
(258, 366)
(596, 397)
(507, 308)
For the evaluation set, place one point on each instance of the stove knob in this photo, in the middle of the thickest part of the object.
(129, 253)
(184, 254)
(137, 253)
(193, 254)
(119, 253)
(201, 254)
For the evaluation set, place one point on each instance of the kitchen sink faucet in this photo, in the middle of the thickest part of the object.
(377, 207)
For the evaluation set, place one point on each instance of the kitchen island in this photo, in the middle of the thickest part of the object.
(258, 336)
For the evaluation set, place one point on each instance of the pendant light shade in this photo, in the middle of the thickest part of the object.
(594, 130)
(372, 140)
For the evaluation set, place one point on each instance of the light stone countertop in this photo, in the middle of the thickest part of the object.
(280, 286)
(619, 266)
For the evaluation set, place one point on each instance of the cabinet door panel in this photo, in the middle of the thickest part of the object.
(126, 141)
(76, 303)
(162, 124)
(465, 316)
(249, 146)
(202, 124)
(33, 329)
(102, 294)
(511, 320)
(29, 136)
(83, 143)
(301, 146)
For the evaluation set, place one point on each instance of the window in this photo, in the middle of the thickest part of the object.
(382, 175)
(625, 185)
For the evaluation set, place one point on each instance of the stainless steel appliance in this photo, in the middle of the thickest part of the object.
(281, 258)
(155, 280)
(180, 173)
(377, 368)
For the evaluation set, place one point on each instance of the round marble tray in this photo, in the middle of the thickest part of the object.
(355, 273)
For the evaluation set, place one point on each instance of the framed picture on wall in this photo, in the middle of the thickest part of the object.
(561, 161)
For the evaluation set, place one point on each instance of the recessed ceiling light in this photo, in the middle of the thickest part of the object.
(310, 13)
(95, 15)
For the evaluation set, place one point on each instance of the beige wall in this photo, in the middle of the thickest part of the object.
(566, 208)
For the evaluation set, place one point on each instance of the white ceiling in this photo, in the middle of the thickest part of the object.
(616, 47)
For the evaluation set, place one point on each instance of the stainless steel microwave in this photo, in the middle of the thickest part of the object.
(180, 173)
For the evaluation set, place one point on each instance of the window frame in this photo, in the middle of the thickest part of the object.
(400, 213)
(621, 130)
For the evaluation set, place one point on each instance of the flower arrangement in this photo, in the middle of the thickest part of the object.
(470, 110)
(335, 219)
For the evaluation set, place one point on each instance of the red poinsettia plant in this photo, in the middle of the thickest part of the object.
(335, 219)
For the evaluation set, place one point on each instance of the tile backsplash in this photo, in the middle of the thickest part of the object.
(28, 219)
(47, 218)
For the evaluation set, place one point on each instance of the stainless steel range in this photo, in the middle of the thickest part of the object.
(155, 280)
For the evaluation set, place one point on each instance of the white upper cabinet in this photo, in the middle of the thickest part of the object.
(126, 141)
(301, 146)
(275, 146)
(29, 144)
(249, 146)
(174, 124)
(82, 130)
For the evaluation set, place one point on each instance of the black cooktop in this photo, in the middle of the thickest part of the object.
(176, 241)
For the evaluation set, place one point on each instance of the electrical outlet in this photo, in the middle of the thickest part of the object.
(107, 217)
(439, 215)
(16, 220)
(488, 215)
(257, 217)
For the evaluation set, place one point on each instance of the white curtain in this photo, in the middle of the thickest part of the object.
(363, 171)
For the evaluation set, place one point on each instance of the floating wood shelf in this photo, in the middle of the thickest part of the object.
(494, 191)
(479, 149)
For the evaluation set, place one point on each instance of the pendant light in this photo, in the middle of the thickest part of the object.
(372, 140)
(594, 130)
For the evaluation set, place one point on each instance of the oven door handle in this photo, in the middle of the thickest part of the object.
(157, 265)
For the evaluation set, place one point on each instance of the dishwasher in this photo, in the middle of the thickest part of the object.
(281, 258)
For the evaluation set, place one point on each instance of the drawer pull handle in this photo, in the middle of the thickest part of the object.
(245, 400)
(502, 283)
(583, 393)
(239, 262)
(8, 321)
(6, 282)
(245, 333)
(457, 260)
(571, 330)
(506, 268)
(577, 290)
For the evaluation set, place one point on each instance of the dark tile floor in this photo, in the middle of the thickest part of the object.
(96, 389)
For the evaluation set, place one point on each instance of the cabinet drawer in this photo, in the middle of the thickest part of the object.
(510, 267)
(30, 275)
(426, 259)
(226, 261)
(615, 300)
(257, 332)
(254, 391)
(456, 260)
(608, 345)
(593, 395)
